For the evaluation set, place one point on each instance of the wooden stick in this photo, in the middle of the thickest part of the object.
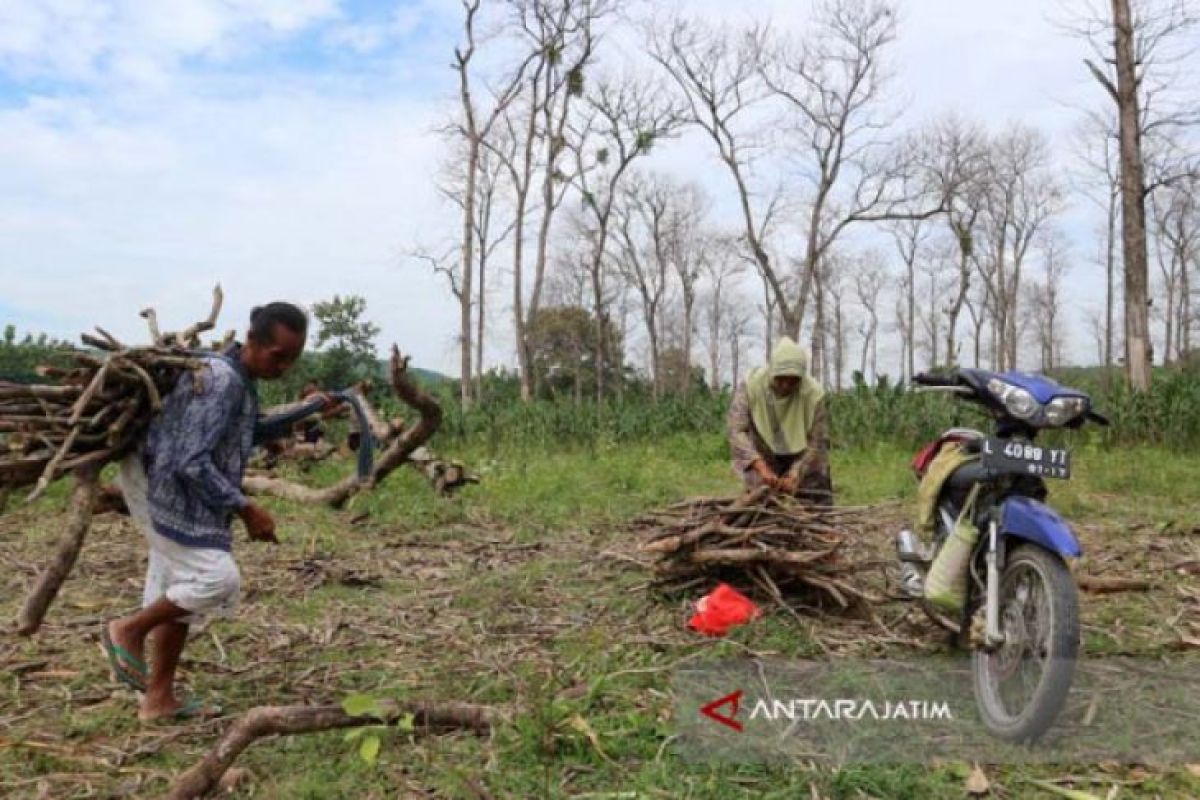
(79, 519)
(263, 721)
(55, 462)
(190, 337)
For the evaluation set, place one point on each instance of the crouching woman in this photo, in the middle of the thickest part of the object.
(779, 429)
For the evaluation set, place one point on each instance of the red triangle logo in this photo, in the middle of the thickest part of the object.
(711, 712)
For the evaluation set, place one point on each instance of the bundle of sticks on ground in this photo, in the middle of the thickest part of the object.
(95, 410)
(769, 540)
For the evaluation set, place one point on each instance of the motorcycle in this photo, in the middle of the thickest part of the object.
(1020, 618)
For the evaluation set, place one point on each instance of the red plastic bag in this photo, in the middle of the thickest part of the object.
(721, 609)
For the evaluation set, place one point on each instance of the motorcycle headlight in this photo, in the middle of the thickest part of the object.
(1062, 410)
(1019, 402)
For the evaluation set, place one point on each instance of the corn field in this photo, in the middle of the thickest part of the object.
(1167, 416)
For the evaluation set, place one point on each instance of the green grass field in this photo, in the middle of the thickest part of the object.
(525, 592)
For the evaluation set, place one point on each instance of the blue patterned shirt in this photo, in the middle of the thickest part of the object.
(196, 452)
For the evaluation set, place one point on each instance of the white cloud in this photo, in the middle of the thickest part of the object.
(90, 40)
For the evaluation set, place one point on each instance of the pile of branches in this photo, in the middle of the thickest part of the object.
(96, 410)
(768, 540)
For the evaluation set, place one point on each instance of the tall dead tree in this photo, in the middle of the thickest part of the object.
(474, 127)
(622, 121)
(870, 278)
(717, 74)
(1136, 49)
(910, 236)
(720, 268)
(1098, 178)
(561, 36)
(833, 84)
(953, 156)
(687, 250)
(1176, 213)
(642, 218)
(1022, 195)
(1044, 310)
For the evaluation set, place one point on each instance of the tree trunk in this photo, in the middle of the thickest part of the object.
(1138, 349)
(689, 300)
(1110, 268)
(468, 253)
(79, 520)
(964, 286)
(911, 333)
(480, 327)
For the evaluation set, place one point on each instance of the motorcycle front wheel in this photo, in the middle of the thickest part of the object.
(1021, 686)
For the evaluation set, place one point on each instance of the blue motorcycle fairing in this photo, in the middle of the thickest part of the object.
(1036, 522)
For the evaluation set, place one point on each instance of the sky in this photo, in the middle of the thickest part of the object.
(287, 149)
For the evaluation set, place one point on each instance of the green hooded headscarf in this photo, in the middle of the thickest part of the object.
(784, 422)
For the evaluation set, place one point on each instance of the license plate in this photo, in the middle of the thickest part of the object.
(1023, 458)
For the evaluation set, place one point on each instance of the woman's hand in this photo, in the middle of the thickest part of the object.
(766, 473)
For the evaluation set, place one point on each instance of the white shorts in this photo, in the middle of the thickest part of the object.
(203, 581)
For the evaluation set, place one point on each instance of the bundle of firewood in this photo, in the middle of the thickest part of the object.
(768, 540)
(95, 410)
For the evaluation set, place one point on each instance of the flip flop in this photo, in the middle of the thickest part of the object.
(126, 667)
(193, 710)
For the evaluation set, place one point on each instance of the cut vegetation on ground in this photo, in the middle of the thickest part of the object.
(528, 593)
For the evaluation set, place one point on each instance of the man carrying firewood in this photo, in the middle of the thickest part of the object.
(183, 489)
(778, 428)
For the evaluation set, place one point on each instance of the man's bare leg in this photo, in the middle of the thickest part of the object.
(130, 632)
(168, 639)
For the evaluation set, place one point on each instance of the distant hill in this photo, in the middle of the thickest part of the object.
(429, 376)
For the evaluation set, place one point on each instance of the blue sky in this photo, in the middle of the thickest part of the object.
(287, 148)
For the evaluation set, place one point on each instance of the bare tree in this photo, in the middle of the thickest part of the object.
(835, 269)
(910, 237)
(720, 268)
(1044, 311)
(623, 120)
(642, 220)
(740, 326)
(688, 250)
(936, 277)
(1098, 177)
(474, 127)
(954, 156)
(1136, 50)
(489, 232)
(717, 73)
(561, 35)
(870, 278)
(1176, 213)
(1099, 332)
(1022, 195)
(833, 84)
(902, 326)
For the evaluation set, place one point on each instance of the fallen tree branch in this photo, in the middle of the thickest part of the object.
(395, 453)
(79, 519)
(257, 723)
